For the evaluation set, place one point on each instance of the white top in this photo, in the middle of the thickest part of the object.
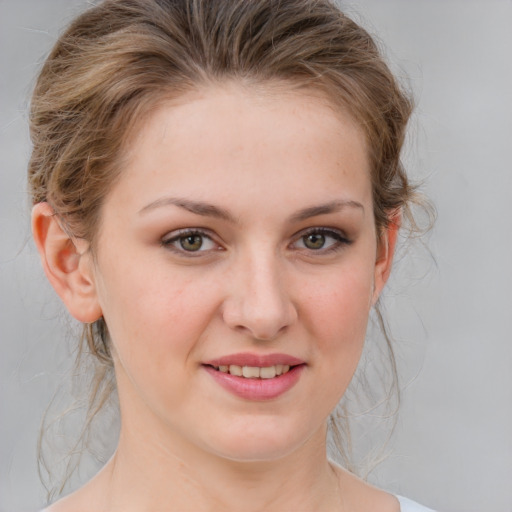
(407, 505)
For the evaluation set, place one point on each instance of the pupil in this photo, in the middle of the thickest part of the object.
(314, 241)
(191, 243)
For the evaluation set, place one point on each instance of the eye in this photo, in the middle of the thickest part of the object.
(321, 240)
(314, 240)
(190, 241)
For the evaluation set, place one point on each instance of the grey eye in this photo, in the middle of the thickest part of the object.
(321, 240)
(191, 242)
(314, 241)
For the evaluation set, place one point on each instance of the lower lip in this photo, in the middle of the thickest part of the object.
(257, 389)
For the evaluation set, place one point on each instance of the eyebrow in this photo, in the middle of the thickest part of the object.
(324, 209)
(196, 207)
(210, 210)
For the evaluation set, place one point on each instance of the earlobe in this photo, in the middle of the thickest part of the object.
(69, 270)
(385, 253)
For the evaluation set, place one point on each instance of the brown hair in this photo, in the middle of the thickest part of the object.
(119, 59)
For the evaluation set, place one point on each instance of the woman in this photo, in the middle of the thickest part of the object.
(217, 195)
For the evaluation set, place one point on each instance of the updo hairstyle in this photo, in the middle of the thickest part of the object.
(119, 60)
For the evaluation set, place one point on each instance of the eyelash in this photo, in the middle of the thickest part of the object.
(182, 234)
(340, 240)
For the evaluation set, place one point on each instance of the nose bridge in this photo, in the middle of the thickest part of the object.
(260, 302)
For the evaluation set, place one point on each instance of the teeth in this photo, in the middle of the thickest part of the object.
(251, 372)
(255, 372)
(268, 372)
(235, 370)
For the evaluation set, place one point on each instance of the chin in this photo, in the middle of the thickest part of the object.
(261, 440)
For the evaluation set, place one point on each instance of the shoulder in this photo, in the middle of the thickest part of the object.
(360, 496)
(407, 505)
(89, 497)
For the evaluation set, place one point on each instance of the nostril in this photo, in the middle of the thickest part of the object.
(259, 305)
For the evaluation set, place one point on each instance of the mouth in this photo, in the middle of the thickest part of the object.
(254, 372)
(256, 377)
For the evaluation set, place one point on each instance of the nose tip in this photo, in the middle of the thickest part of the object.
(260, 306)
(259, 326)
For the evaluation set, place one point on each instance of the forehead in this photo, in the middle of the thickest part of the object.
(230, 139)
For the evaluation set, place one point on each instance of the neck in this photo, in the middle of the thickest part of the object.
(157, 474)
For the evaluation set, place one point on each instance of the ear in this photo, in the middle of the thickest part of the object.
(67, 264)
(385, 252)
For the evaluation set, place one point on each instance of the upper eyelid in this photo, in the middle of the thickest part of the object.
(177, 233)
(323, 230)
(172, 236)
(339, 236)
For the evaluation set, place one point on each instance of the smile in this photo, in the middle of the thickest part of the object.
(256, 377)
(254, 372)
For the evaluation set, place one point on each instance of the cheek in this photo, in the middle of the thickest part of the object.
(157, 325)
(151, 315)
(341, 307)
(337, 318)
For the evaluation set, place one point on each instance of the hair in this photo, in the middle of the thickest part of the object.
(119, 60)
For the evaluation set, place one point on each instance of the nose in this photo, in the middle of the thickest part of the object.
(259, 303)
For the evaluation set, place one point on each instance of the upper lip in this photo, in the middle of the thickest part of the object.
(258, 360)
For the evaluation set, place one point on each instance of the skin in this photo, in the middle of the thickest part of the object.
(260, 157)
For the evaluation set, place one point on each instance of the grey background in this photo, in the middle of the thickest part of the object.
(452, 449)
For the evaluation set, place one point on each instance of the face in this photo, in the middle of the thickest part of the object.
(236, 265)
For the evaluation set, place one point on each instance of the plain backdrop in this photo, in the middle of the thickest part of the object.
(451, 311)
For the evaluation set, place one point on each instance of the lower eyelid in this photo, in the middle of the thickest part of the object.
(173, 238)
(339, 238)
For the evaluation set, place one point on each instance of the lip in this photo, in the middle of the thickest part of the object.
(256, 389)
(248, 359)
